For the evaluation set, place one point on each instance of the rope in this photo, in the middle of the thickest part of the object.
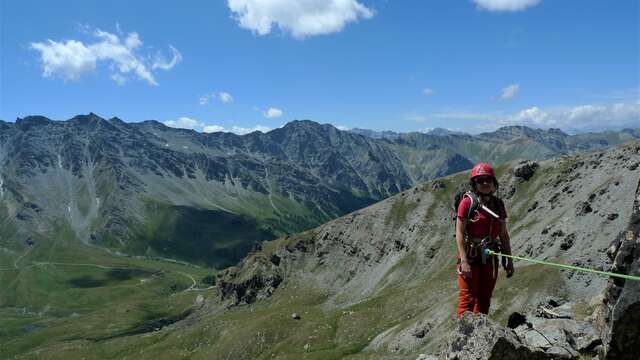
(605, 273)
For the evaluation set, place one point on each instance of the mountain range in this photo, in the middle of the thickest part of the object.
(112, 232)
(148, 189)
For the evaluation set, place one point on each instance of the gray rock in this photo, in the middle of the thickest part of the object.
(619, 318)
(525, 170)
(477, 337)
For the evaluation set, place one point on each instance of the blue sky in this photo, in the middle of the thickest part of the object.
(412, 65)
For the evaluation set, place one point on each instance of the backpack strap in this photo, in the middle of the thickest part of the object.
(475, 202)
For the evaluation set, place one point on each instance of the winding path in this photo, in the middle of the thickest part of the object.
(41, 263)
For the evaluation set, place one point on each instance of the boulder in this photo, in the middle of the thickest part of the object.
(478, 337)
(525, 170)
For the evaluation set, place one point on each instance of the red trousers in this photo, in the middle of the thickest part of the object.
(475, 293)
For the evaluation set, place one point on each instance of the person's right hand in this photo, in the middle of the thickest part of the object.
(464, 269)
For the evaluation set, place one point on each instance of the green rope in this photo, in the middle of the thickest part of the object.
(605, 273)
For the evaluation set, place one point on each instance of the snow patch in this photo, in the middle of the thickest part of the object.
(97, 202)
(59, 161)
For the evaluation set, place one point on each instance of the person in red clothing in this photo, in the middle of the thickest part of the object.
(486, 226)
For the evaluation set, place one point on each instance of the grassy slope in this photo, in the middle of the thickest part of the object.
(44, 304)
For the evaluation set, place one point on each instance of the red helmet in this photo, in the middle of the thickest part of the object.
(482, 169)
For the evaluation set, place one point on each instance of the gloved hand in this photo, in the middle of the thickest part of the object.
(509, 268)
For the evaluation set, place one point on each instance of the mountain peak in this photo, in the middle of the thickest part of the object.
(89, 119)
(525, 130)
(29, 122)
(443, 132)
(305, 123)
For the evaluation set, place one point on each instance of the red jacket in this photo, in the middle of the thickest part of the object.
(480, 223)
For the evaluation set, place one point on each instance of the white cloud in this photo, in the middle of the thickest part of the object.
(272, 113)
(185, 123)
(510, 91)
(162, 63)
(506, 5)
(225, 97)
(343, 128)
(71, 59)
(212, 128)
(583, 118)
(428, 92)
(301, 18)
(242, 130)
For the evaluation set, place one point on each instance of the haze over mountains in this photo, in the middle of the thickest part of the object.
(145, 188)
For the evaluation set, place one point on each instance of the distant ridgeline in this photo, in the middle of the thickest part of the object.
(148, 189)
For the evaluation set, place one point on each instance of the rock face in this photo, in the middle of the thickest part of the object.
(477, 337)
(256, 282)
(619, 316)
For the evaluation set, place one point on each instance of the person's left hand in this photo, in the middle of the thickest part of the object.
(509, 268)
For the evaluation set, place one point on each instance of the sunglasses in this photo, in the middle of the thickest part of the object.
(484, 180)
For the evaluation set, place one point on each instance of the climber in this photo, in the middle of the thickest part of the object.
(481, 223)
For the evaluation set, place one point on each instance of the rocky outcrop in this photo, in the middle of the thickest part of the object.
(256, 280)
(478, 337)
(618, 317)
(553, 327)
(525, 170)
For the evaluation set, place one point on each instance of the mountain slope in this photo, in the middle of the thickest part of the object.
(379, 283)
(147, 189)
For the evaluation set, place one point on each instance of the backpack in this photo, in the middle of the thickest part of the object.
(475, 203)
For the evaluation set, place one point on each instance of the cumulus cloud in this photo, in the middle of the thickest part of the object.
(301, 18)
(185, 122)
(242, 130)
(428, 92)
(510, 91)
(212, 128)
(272, 113)
(71, 59)
(574, 119)
(506, 5)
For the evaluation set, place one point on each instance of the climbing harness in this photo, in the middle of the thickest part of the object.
(490, 252)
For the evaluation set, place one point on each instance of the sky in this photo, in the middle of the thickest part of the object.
(244, 65)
